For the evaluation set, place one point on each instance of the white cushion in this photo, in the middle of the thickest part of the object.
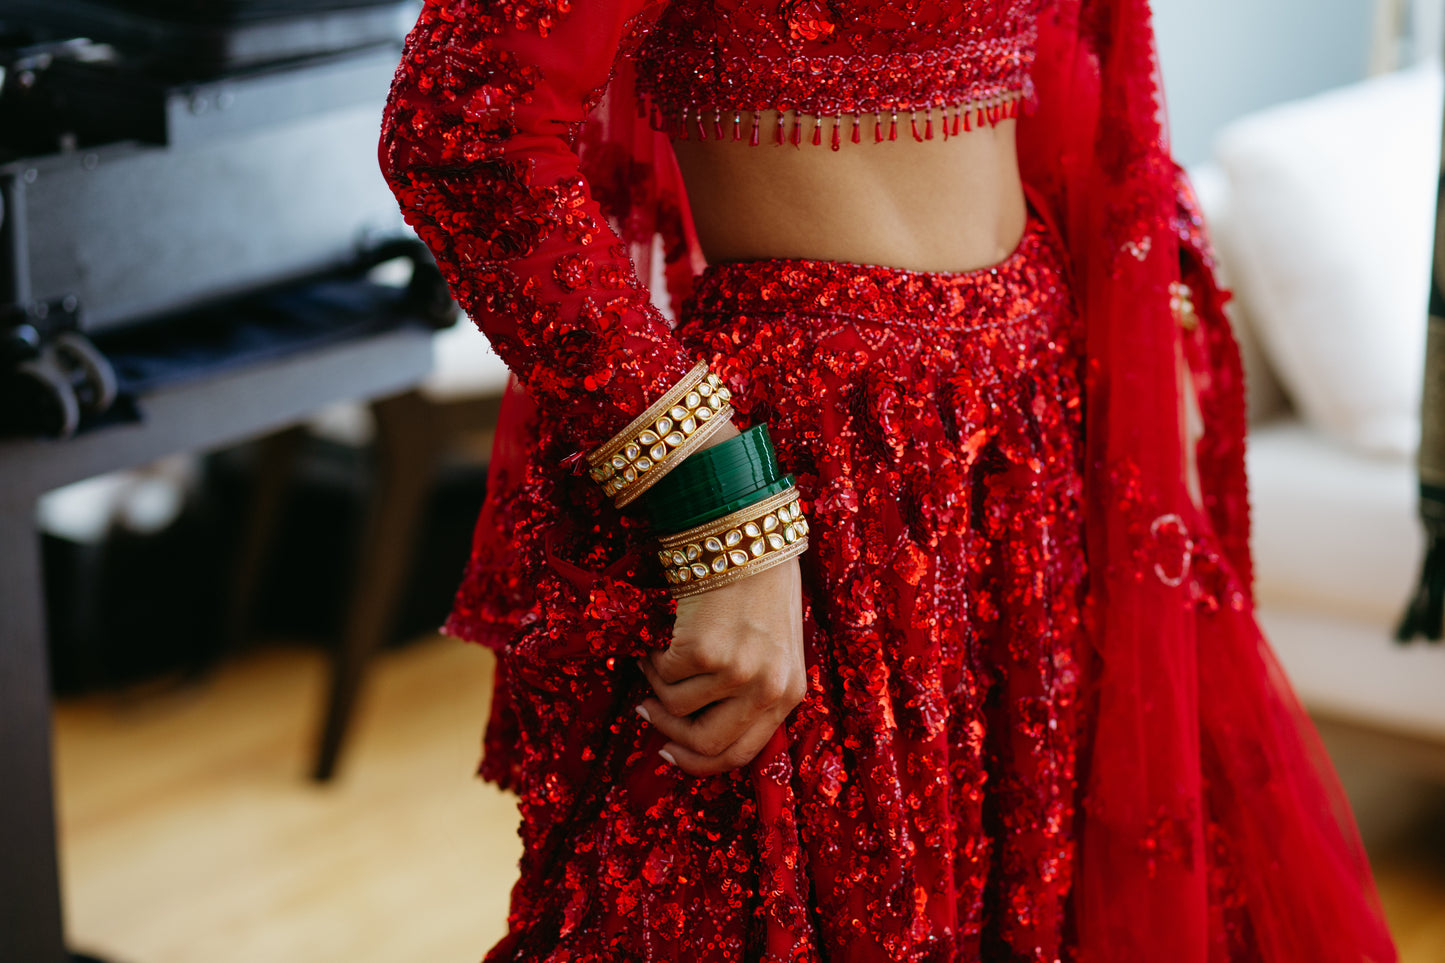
(1334, 531)
(463, 365)
(1355, 670)
(1328, 240)
(1337, 549)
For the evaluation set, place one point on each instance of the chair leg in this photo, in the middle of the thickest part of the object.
(275, 466)
(407, 451)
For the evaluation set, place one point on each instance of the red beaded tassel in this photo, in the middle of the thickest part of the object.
(965, 117)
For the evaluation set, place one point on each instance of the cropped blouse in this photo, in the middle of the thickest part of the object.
(489, 99)
(711, 66)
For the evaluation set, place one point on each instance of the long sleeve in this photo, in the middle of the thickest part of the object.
(477, 145)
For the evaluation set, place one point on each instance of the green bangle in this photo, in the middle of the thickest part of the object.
(681, 523)
(729, 473)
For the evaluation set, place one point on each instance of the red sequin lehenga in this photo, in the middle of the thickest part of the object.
(1041, 722)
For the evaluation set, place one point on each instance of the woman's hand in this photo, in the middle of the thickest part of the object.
(733, 672)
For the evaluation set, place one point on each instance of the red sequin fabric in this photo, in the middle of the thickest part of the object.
(711, 67)
(477, 145)
(920, 803)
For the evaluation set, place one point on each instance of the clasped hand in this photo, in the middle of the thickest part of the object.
(733, 672)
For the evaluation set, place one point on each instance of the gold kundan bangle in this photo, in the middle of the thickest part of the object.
(730, 548)
(677, 424)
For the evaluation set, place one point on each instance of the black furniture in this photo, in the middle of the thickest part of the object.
(159, 160)
(241, 403)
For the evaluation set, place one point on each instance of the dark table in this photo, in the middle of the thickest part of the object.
(203, 414)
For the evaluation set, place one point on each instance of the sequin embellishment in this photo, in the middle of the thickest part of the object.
(919, 804)
(939, 67)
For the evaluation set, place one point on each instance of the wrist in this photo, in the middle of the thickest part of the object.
(727, 431)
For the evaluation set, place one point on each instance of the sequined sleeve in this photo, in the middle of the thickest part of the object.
(477, 144)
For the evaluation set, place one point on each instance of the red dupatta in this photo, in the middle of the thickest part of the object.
(1213, 827)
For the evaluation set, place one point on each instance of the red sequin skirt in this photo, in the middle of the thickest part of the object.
(922, 802)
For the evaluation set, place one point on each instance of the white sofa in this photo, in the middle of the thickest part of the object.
(1322, 213)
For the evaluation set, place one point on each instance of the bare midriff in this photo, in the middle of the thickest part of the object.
(939, 205)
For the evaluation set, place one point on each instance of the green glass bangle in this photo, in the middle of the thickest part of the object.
(721, 475)
(683, 523)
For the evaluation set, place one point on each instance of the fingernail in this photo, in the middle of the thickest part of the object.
(642, 711)
(668, 756)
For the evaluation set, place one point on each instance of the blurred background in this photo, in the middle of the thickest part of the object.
(243, 442)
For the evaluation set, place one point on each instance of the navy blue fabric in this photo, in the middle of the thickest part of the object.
(259, 328)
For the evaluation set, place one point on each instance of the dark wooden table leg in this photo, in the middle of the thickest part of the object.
(274, 471)
(407, 452)
(31, 930)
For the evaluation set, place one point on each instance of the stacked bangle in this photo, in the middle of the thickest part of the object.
(634, 459)
(734, 513)
(743, 543)
(716, 481)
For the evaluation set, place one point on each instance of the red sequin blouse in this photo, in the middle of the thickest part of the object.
(478, 136)
(712, 69)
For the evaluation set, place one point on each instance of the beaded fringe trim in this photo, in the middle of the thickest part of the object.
(722, 551)
(634, 459)
(713, 123)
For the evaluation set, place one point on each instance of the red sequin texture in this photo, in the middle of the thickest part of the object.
(476, 144)
(919, 804)
(710, 60)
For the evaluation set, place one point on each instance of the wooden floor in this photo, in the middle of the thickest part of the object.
(189, 832)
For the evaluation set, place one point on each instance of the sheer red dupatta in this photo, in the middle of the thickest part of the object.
(1213, 827)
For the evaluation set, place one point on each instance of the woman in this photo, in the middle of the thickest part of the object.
(999, 694)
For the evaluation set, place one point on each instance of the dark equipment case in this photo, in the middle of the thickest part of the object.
(159, 156)
(207, 37)
(256, 179)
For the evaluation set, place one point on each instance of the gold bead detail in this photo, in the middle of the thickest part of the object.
(724, 550)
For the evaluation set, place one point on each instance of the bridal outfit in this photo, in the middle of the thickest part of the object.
(1041, 721)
